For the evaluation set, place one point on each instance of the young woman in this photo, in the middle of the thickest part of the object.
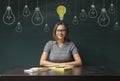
(60, 51)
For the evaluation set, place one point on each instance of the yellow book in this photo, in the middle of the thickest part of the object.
(61, 69)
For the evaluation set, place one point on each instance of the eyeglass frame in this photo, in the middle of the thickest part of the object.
(61, 30)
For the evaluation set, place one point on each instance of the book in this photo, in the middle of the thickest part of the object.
(61, 69)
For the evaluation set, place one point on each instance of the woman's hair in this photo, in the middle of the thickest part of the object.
(67, 32)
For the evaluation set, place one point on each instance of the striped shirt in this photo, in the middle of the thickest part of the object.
(60, 54)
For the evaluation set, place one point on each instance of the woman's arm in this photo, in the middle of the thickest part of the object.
(77, 61)
(44, 62)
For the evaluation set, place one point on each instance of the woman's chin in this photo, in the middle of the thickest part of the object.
(60, 37)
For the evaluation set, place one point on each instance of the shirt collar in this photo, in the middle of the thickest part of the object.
(66, 43)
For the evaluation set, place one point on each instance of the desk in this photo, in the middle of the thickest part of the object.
(76, 71)
(88, 73)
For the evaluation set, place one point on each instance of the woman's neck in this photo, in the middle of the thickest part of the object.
(60, 41)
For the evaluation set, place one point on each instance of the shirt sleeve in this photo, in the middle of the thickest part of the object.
(74, 49)
(47, 47)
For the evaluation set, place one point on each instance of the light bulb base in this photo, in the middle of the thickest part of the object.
(61, 18)
(26, 6)
(8, 8)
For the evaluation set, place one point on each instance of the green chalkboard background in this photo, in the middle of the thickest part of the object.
(98, 46)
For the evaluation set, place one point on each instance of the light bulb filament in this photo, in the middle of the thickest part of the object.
(8, 16)
(37, 16)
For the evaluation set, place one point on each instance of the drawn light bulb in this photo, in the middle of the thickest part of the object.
(37, 18)
(103, 19)
(26, 11)
(116, 26)
(8, 17)
(111, 9)
(46, 28)
(19, 28)
(92, 12)
(61, 10)
(75, 20)
(83, 15)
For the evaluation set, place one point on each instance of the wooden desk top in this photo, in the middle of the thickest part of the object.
(75, 71)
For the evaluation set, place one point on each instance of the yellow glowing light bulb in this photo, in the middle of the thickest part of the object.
(61, 10)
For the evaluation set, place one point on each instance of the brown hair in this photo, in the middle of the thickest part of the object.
(67, 31)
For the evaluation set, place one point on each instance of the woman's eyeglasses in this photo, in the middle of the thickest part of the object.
(62, 30)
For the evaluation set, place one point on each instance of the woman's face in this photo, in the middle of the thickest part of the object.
(61, 32)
